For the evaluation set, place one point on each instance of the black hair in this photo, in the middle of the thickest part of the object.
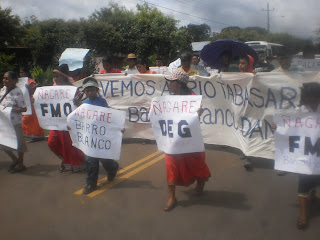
(13, 75)
(308, 91)
(186, 56)
(143, 62)
(226, 52)
(26, 69)
(285, 52)
(246, 57)
(64, 68)
(107, 59)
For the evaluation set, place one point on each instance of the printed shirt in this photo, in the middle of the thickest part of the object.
(133, 70)
(13, 99)
(191, 71)
(98, 101)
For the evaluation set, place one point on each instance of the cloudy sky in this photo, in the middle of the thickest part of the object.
(298, 17)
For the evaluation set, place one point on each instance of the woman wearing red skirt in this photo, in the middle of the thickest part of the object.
(184, 169)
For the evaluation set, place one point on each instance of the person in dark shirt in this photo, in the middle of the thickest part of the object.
(261, 65)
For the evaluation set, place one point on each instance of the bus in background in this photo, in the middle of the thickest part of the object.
(270, 49)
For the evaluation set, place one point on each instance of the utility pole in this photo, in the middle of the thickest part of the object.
(268, 15)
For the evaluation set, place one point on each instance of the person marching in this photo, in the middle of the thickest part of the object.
(184, 169)
(91, 90)
(60, 142)
(246, 63)
(12, 96)
(30, 123)
(309, 102)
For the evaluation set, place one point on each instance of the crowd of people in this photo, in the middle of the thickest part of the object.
(182, 169)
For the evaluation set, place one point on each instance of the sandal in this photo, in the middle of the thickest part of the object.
(12, 166)
(302, 223)
(66, 172)
(19, 169)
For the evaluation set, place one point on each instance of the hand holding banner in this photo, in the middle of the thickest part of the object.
(176, 124)
(22, 85)
(7, 133)
(53, 105)
(96, 131)
(297, 141)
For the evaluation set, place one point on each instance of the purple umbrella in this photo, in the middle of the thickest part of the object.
(211, 52)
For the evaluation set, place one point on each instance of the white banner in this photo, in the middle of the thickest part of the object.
(160, 70)
(238, 107)
(297, 141)
(96, 131)
(53, 105)
(176, 124)
(22, 85)
(7, 133)
(307, 64)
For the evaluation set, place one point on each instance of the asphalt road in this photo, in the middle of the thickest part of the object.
(41, 203)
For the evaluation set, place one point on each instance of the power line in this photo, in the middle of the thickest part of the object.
(187, 14)
(268, 15)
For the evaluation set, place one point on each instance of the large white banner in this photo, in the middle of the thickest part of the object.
(297, 141)
(22, 85)
(53, 105)
(96, 131)
(160, 70)
(7, 133)
(238, 107)
(307, 64)
(176, 124)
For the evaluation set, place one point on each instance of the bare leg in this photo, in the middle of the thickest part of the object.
(20, 159)
(171, 203)
(199, 187)
(303, 215)
(15, 160)
(12, 156)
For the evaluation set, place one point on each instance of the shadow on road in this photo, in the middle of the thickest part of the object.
(135, 184)
(233, 200)
(40, 170)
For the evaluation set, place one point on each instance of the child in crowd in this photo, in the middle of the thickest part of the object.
(91, 90)
(12, 96)
(309, 102)
(246, 63)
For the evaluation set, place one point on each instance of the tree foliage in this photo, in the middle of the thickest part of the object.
(201, 32)
(10, 28)
(115, 30)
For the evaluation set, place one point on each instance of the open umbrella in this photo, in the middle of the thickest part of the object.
(211, 52)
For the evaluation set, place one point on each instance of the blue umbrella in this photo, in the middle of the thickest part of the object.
(211, 52)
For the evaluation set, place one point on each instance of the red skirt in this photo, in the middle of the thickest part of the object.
(60, 144)
(185, 169)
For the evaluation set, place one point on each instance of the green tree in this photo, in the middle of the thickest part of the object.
(10, 28)
(49, 38)
(201, 32)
